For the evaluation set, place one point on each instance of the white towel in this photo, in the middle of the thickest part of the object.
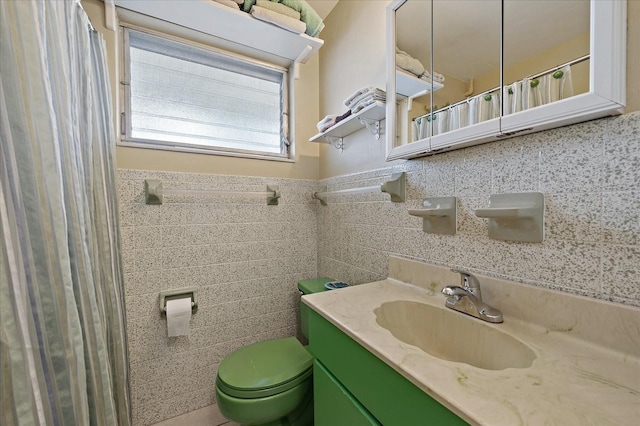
(437, 77)
(408, 63)
(363, 93)
(275, 18)
(367, 100)
(326, 122)
(230, 3)
(358, 93)
(277, 7)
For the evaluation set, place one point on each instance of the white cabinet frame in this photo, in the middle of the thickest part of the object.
(606, 96)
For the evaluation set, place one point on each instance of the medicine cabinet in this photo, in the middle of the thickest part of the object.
(497, 68)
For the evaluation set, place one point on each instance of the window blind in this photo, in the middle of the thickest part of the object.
(186, 96)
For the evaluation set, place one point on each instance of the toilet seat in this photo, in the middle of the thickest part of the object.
(264, 369)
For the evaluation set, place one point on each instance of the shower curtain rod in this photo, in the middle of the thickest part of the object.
(154, 192)
(486, 92)
(394, 187)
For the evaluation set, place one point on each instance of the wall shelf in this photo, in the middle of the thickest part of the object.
(412, 87)
(232, 27)
(368, 117)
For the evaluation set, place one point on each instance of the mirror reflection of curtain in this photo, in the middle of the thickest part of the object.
(532, 92)
(63, 356)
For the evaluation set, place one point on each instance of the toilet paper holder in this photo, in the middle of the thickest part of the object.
(178, 294)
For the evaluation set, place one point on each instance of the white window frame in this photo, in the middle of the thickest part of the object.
(125, 139)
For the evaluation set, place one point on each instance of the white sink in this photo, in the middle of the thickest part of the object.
(453, 336)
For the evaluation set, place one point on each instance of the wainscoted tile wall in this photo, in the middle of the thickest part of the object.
(589, 174)
(243, 256)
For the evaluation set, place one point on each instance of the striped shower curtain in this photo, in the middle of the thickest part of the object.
(63, 358)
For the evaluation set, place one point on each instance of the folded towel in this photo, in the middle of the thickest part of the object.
(362, 104)
(326, 122)
(230, 3)
(363, 95)
(343, 116)
(436, 77)
(307, 14)
(280, 8)
(378, 94)
(358, 93)
(409, 63)
(283, 21)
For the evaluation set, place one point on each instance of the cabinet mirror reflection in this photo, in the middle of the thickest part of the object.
(450, 74)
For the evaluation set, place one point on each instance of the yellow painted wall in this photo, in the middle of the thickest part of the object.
(306, 101)
(355, 58)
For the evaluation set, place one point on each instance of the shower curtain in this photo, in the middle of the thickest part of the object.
(63, 358)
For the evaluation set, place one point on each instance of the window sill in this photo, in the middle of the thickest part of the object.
(208, 151)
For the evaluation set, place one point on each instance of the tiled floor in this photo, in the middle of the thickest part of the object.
(206, 416)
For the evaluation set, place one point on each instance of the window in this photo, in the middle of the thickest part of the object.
(182, 97)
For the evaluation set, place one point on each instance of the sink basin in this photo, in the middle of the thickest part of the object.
(452, 336)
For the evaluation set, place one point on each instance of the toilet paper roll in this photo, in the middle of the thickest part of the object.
(178, 316)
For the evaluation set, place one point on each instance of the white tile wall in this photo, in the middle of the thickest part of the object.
(243, 256)
(589, 174)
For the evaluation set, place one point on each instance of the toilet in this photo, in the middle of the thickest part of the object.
(270, 383)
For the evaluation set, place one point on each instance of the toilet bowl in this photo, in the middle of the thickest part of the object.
(270, 383)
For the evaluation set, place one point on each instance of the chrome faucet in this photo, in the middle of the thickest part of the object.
(466, 298)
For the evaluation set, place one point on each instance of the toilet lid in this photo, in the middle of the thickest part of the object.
(264, 368)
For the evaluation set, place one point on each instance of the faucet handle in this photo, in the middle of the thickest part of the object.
(468, 280)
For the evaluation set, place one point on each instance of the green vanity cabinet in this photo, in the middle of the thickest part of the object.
(352, 386)
(334, 404)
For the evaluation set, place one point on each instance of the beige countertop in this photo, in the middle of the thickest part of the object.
(587, 366)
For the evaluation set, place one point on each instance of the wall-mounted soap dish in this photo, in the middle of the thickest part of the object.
(515, 217)
(438, 214)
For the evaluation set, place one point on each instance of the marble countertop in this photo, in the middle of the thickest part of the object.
(587, 366)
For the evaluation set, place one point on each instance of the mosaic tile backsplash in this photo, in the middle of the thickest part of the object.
(245, 257)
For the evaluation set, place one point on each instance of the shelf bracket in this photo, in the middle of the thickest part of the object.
(372, 125)
(412, 97)
(301, 57)
(336, 141)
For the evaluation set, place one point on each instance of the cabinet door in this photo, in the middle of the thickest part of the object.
(333, 404)
(386, 394)
(466, 52)
(414, 89)
(547, 60)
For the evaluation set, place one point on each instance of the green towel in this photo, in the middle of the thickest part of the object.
(307, 14)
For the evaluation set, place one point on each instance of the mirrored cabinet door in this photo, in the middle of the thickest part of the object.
(414, 85)
(466, 52)
(497, 68)
(564, 62)
(546, 52)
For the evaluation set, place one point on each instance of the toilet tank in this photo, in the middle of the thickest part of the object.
(311, 286)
